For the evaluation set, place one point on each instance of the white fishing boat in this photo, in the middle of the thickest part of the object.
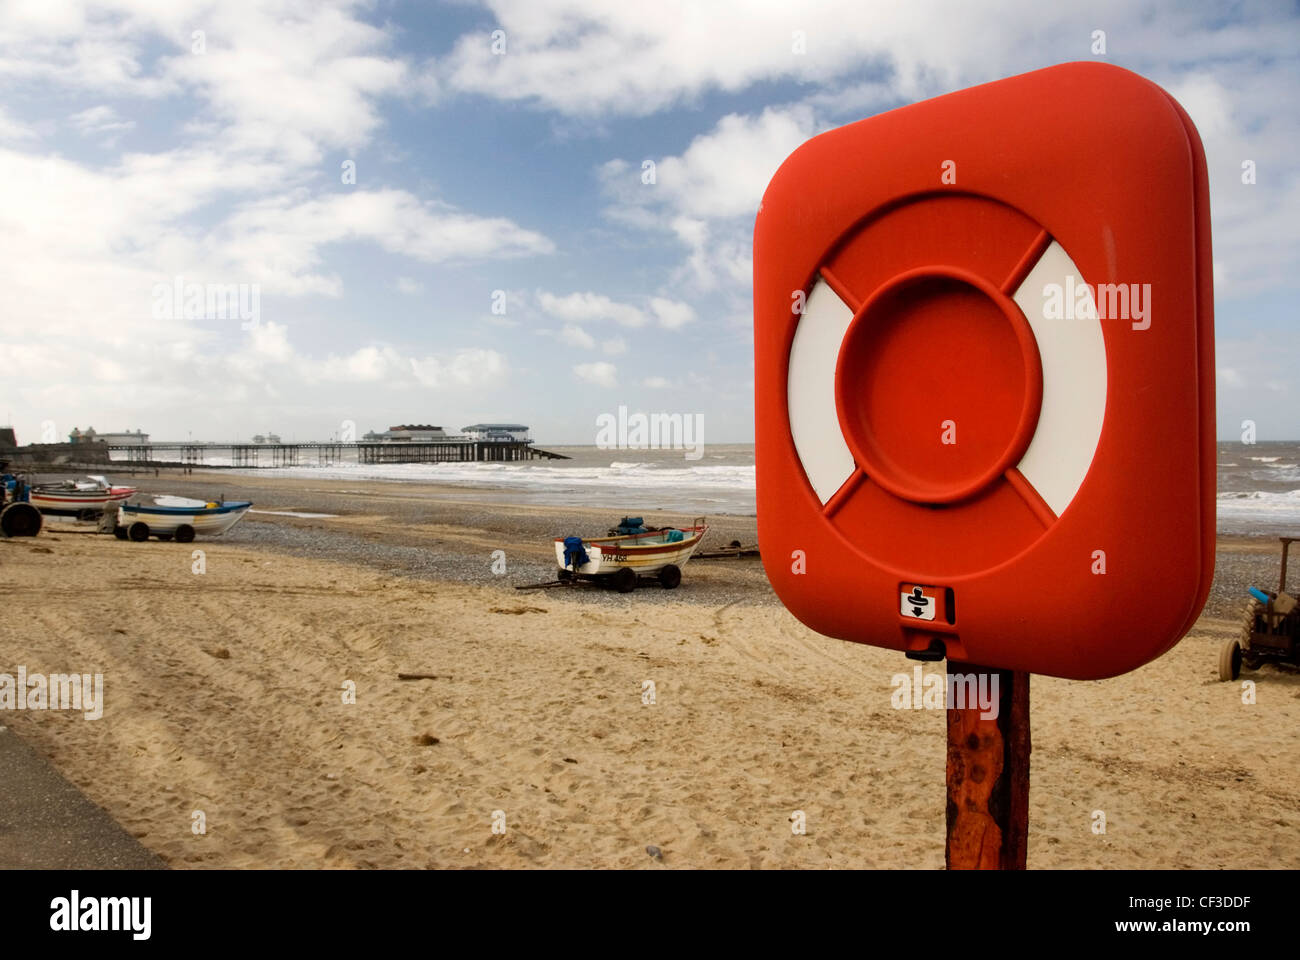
(139, 521)
(81, 497)
(626, 558)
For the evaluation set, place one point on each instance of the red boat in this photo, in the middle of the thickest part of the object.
(79, 497)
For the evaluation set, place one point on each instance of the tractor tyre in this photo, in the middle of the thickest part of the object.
(20, 519)
(1253, 610)
(1230, 661)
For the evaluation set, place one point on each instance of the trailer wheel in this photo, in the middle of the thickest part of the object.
(1230, 661)
(138, 531)
(20, 519)
(563, 574)
(184, 533)
(164, 536)
(86, 513)
(670, 576)
(119, 532)
(625, 580)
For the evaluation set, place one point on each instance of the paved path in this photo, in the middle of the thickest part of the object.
(48, 824)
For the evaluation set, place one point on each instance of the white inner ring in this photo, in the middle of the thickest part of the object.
(1073, 355)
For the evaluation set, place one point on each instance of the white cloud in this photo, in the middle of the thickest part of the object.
(281, 83)
(100, 120)
(270, 341)
(84, 243)
(1236, 111)
(575, 336)
(268, 344)
(278, 241)
(369, 364)
(1230, 378)
(281, 77)
(324, 70)
(708, 195)
(595, 308)
(409, 287)
(600, 373)
(231, 197)
(14, 130)
(465, 368)
(246, 189)
(591, 57)
(72, 46)
(705, 197)
(657, 383)
(590, 307)
(672, 314)
(587, 57)
(724, 172)
(1251, 373)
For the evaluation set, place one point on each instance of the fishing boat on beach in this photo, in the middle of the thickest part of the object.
(138, 521)
(83, 498)
(631, 553)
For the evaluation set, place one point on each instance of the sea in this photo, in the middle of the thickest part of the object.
(1259, 488)
(1258, 484)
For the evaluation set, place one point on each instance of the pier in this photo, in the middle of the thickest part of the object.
(256, 455)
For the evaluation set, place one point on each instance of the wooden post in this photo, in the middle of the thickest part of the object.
(988, 775)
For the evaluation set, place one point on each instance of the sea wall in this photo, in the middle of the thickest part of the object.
(56, 454)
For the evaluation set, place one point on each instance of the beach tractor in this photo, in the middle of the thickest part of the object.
(18, 518)
(1270, 630)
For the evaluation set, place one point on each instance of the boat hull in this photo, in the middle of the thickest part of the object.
(638, 552)
(75, 501)
(208, 522)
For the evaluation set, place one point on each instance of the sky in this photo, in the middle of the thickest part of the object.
(441, 210)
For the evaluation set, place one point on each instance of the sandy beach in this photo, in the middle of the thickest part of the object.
(224, 693)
